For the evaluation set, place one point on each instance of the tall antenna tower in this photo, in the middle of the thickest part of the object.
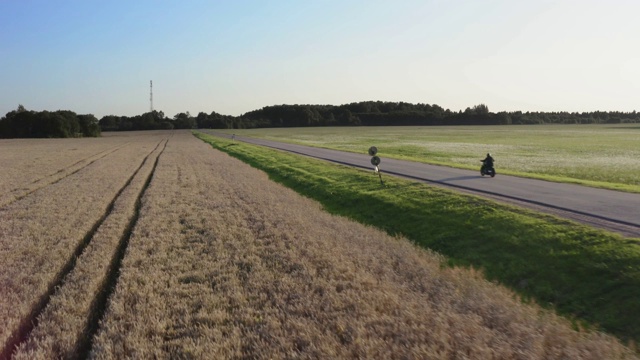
(151, 95)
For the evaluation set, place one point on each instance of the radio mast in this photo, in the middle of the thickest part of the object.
(151, 95)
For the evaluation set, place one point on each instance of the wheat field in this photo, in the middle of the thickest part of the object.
(154, 245)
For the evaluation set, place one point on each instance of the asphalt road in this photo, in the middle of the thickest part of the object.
(607, 209)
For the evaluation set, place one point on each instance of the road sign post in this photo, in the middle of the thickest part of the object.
(375, 161)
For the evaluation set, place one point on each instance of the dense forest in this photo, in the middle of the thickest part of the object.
(23, 123)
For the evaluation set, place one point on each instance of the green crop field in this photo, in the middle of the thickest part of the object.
(606, 156)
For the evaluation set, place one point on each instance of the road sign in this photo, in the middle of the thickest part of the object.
(375, 161)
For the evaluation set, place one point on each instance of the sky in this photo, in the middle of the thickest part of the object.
(232, 57)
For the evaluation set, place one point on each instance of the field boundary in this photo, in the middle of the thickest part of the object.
(620, 226)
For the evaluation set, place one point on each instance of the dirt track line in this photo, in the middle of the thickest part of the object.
(108, 151)
(16, 194)
(102, 300)
(30, 322)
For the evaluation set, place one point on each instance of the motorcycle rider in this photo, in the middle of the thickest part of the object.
(487, 163)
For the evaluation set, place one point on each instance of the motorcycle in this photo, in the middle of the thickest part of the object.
(487, 170)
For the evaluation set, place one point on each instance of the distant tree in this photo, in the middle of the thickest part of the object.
(330, 120)
(18, 123)
(481, 109)
(345, 117)
(504, 118)
(89, 125)
(184, 121)
(220, 121)
(109, 123)
(126, 124)
(310, 117)
(202, 120)
(166, 125)
(22, 123)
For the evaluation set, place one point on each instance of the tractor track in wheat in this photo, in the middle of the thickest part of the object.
(89, 284)
(52, 178)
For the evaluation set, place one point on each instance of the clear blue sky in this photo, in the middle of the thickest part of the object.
(97, 57)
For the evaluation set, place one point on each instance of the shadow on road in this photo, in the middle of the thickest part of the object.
(462, 178)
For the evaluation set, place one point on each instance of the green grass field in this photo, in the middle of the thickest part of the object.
(585, 274)
(606, 156)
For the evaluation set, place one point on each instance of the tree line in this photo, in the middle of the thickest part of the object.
(22, 123)
(64, 123)
(156, 120)
(366, 113)
(379, 113)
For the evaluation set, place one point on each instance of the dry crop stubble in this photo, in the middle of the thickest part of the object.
(67, 320)
(224, 263)
(40, 232)
(29, 164)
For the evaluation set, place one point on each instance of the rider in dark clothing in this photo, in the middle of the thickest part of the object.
(488, 161)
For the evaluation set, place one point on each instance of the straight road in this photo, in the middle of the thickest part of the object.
(608, 209)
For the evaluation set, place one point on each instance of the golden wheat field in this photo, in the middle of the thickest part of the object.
(154, 245)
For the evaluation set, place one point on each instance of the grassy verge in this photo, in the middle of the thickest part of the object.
(589, 275)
